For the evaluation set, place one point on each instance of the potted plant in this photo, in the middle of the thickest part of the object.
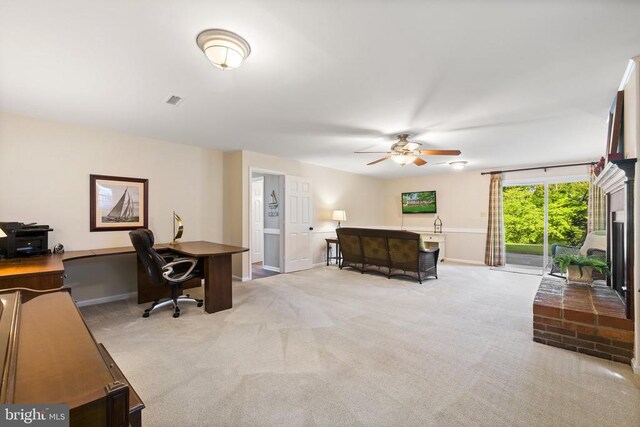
(579, 267)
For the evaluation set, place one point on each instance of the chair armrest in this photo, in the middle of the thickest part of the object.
(558, 249)
(167, 269)
(428, 259)
(428, 251)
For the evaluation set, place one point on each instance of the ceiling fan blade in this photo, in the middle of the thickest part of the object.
(372, 152)
(419, 162)
(378, 161)
(440, 152)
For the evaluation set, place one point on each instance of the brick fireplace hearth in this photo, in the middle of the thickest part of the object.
(581, 318)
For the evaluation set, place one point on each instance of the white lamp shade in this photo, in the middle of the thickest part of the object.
(225, 50)
(339, 215)
(224, 56)
(403, 159)
(2, 234)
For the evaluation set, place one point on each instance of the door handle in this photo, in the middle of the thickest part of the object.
(310, 228)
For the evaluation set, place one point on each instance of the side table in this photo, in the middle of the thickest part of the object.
(338, 256)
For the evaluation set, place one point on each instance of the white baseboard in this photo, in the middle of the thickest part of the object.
(104, 300)
(320, 264)
(464, 261)
(635, 365)
(242, 279)
(269, 268)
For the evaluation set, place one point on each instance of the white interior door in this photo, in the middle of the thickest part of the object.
(257, 219)
(298, 211)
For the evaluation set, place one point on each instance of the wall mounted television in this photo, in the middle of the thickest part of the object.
(419, 202)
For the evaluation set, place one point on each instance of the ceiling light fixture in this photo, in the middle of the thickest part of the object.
(226, 50)
(403, 159)
(458, 165)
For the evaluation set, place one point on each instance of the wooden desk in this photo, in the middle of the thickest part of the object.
(49, 357)
(47, 272)
(217, 271)
(40, 272)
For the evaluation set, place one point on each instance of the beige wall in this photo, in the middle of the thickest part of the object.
(462, 199)
(332, 189)
(232, 205)
(45, 169)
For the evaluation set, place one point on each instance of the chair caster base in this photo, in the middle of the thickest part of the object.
(172, 302)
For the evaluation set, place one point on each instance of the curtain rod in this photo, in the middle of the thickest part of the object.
(540, 167)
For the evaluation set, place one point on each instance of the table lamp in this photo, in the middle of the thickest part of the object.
(2, 233)
(339, 215)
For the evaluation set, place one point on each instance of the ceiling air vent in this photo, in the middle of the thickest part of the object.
(173, 100)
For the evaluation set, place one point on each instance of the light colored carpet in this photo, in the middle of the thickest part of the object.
(331, 347)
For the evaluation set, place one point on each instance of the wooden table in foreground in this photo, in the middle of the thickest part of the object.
(49, 356)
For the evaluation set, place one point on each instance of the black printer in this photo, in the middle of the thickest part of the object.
(24, 239)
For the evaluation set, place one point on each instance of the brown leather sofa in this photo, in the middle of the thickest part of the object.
(392, 252)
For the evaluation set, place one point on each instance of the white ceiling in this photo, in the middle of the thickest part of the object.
(507, 82)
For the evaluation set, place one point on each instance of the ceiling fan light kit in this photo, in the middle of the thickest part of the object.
(404, 159)
(404, 152)
(225, 49)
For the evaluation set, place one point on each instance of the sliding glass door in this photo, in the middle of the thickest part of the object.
(524, 227)
(540, 214)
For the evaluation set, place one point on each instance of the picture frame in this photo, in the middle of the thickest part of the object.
(118, 203)
(615, 138)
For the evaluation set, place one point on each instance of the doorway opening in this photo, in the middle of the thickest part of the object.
(266, 224)
(539, 214)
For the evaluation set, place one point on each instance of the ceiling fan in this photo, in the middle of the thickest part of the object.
(404, 152)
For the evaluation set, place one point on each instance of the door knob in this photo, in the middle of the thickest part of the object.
(310, 228)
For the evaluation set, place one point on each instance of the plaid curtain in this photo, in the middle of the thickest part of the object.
(494, 249)
(596, 212)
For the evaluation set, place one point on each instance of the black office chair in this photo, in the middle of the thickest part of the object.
(169, 271)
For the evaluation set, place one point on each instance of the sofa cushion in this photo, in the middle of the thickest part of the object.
(350, 247)
(403, 253)
(374, 250)
(594, 240)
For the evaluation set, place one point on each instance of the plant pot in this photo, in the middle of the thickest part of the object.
(573, 274)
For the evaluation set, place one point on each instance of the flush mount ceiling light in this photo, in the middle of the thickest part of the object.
(458, 165)
(226, 50)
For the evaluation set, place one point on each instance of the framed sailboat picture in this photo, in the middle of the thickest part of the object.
(118, 203)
